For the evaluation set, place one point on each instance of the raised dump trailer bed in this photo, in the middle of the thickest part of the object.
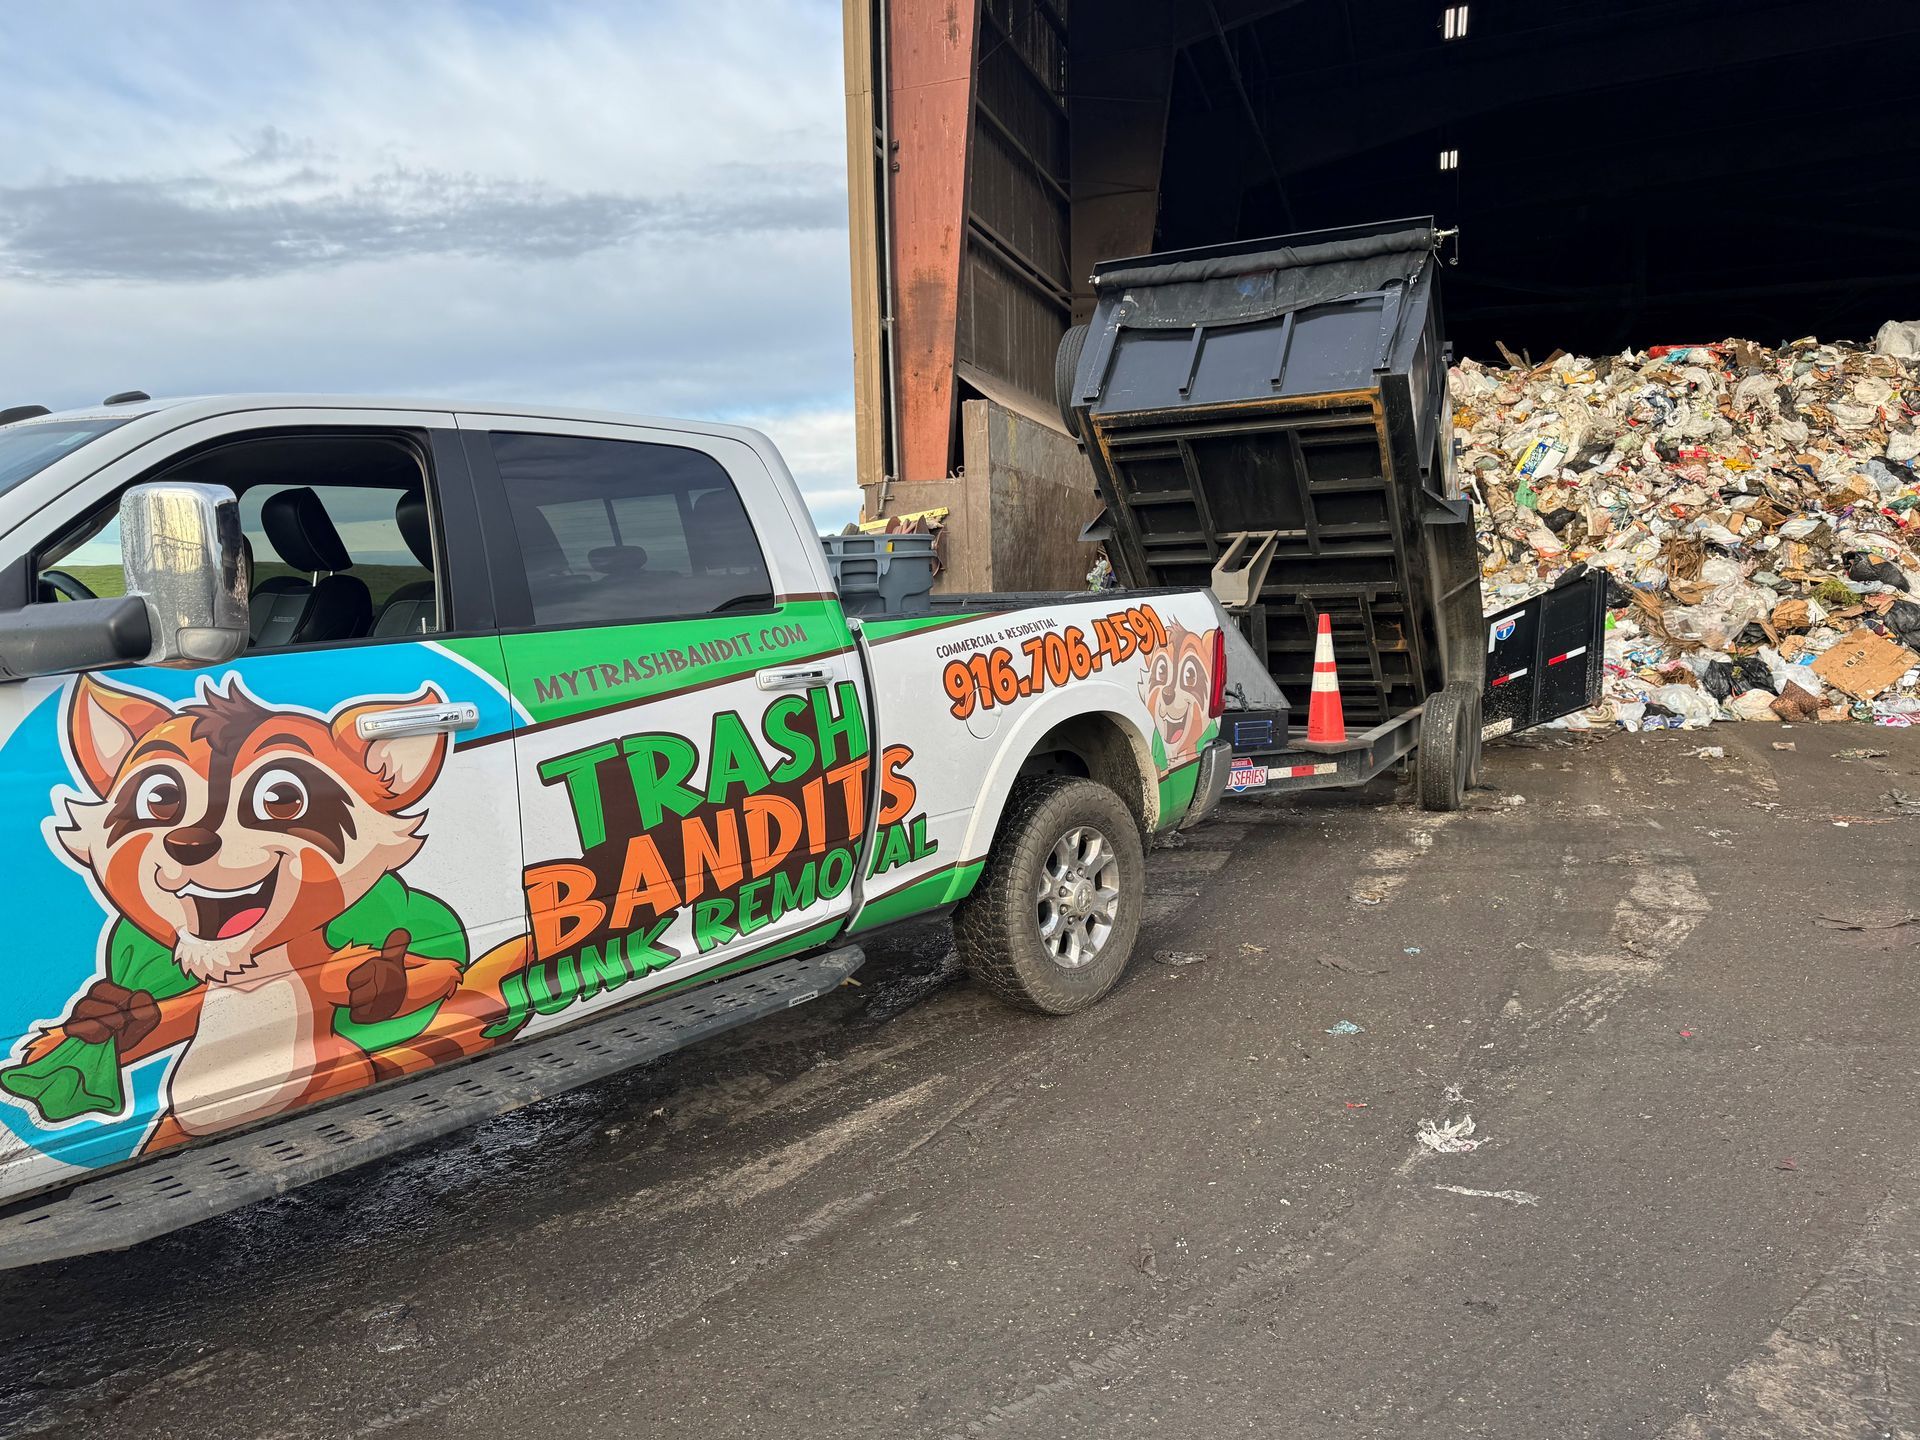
(1270, 418)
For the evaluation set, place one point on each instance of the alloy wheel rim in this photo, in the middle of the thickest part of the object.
(1077, 897)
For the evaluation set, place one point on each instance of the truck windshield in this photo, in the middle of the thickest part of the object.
(28, 449)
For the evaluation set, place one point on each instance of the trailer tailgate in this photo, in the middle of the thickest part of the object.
(1546, 657)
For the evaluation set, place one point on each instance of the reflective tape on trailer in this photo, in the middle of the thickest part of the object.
(1570, 655)
(1514, 676)
(1300, 772)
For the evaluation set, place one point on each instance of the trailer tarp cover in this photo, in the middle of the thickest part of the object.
(1271, 282)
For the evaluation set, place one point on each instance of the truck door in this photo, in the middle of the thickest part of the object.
(693, 771)
(250, 887)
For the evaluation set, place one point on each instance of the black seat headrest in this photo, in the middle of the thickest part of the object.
(618, 559)
(411, 516)
(302, 532)
(341, 609)
(722, 536)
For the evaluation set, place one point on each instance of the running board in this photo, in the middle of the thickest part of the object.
(182, 1188)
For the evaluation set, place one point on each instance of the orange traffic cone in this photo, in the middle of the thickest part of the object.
(1326, 725)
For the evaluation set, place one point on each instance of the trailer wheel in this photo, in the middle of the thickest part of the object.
(1476, 745)
(1066, 365)
(1052, 922)
(1449, 738)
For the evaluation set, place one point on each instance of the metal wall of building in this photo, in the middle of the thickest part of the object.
(1016, 291)
(971, 236)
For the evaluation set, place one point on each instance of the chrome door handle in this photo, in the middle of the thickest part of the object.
(798, 678)
(418, 720)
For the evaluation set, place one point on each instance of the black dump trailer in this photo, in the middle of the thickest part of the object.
(1270, 418)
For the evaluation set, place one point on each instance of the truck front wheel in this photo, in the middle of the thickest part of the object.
(1052, 922)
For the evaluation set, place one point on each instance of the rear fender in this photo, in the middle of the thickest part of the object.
(1021, 738)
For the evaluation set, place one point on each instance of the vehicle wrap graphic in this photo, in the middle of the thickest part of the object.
(1047, 655)
(252, 855)
(231, 902)
(686, 844)
(1176, 686)
(559, 674)
(231, 915)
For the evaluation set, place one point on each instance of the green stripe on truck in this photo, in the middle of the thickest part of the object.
(780, 949)
(928, 893)
(892, 629)
(560, 674)
(1176, 794)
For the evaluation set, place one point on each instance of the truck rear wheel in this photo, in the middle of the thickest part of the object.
(1449, 746)
(1052, 922)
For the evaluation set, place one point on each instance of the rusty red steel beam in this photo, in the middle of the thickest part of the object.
(931, 47)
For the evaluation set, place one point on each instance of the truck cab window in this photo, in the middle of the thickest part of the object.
(348, 547)
(337, 531)
(85, 564)
(616, 531)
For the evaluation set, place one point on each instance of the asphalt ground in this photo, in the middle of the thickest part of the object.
(1689, 1209)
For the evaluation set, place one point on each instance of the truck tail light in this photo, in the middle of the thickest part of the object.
(1217, 696)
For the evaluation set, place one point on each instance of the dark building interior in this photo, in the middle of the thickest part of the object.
(1619, 173)
(1624, 173)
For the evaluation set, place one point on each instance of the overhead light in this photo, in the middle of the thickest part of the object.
(1453, 25)
(1449, 159)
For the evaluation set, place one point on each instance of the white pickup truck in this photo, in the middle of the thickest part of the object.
(369, 767)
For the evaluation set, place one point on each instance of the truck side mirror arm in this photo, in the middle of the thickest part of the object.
(54, 638)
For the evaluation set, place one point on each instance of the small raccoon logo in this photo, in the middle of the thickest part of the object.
(1177, 686)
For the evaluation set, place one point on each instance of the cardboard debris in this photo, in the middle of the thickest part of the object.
(1789, 615)
(1863, 664)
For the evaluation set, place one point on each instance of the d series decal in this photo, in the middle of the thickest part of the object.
(1176, 681)
(1177, 689)
(235, 899)
(263, 932)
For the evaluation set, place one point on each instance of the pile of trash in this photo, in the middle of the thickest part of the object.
(1757, 510)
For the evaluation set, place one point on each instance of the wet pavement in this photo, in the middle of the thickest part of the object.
(1686, 1206)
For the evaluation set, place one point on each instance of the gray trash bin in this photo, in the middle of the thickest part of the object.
(881, 574)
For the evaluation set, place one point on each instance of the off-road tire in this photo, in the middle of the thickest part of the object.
(1066, 365)
(1449, 744)
(996, 928)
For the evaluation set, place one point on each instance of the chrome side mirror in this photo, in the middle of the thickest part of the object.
(185, 559)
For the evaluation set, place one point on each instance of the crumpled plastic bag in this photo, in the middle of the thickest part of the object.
(1783, 672)
(1898, 338)
(1753, 705)
(1719, 619)
(1903, 621)
(1695, 709)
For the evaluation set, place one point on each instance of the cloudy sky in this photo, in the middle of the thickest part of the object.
(633, 205)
